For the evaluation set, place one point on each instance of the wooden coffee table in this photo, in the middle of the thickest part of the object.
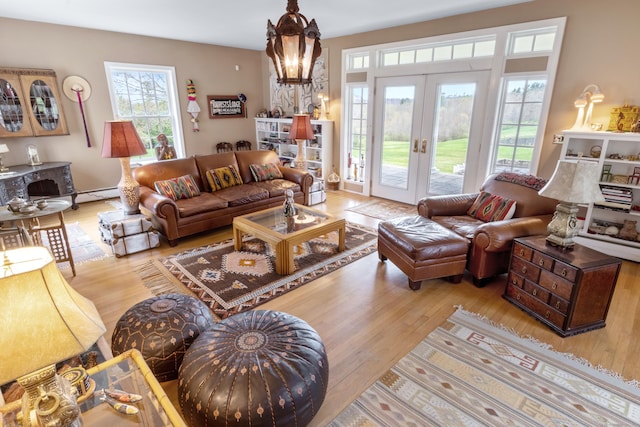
(269, 226)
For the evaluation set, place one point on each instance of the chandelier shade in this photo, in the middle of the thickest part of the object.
(293, 45)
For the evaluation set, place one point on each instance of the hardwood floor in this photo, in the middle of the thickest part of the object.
(365, 312)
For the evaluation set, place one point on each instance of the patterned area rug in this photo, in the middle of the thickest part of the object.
(230, 282)
(384, 209)
(83, 247)
(469, 372)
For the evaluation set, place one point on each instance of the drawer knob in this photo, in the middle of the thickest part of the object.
(535, 292)
(554, 286)
(514, 281)
(518, 297)
(557, 304)
(541, 263)
(521, 252)
(524, 270)
(547, 314)
(564, 272)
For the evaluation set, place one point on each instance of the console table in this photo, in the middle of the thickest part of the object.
(48, 179)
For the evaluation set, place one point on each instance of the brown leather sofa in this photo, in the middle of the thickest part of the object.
(184, 217)
(490, 247)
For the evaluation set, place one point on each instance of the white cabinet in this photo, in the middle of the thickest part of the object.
(273, 134)
(618, 155)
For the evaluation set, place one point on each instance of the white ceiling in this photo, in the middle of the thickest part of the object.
(239, 23)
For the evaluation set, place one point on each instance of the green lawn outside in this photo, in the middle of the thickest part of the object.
(448, 153)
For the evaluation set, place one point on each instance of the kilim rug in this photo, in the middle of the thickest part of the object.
(469, 372)
(230, 282)
(384, 209)
(83, 247)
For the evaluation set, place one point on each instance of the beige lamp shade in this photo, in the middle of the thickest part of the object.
(43, 319)
(574, 182)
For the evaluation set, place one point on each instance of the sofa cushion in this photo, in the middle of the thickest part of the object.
(183, 187)
(489, 207)
(205, 202)
(464, 225)
(224, 177)
(277, 187)
(265, 172)
(242, 194)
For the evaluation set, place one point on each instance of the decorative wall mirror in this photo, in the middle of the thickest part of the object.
(10, 107)
(44, 105)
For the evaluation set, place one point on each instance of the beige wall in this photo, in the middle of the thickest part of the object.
(74, 51)
(598, 48)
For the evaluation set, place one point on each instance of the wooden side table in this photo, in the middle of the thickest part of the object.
(569, 291)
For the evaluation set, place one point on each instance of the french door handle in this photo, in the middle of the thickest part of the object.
(415, 145)
(424, 146)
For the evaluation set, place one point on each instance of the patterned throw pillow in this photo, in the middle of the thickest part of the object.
(488, 207)
(265, 172)
(183, 187)
(225, 177)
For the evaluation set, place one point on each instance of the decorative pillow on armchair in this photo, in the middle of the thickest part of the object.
(225, 177)
(183, 187)
(488, 207)
(265, 172)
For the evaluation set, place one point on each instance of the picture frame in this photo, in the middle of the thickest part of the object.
(225, 106)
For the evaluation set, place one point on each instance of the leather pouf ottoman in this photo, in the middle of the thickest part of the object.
(257, 368)
(162, 328)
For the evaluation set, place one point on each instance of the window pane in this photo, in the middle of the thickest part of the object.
(424, 55)
(531, 113)
(407, 57)
(485, 48)
(544, 42)
(463, 51)
(390, 59)
(515, 91)
(442, 53)
(522, 44)
(511, 114)
(535, 91)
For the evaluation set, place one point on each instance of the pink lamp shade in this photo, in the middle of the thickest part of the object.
(121, 140)
(301, 127)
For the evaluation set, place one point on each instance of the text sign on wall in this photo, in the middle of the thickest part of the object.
(221, 106)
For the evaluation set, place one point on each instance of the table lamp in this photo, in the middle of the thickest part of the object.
(121, 140)
(3, 149)
(44, 321)
(572, 183)
(301, 131)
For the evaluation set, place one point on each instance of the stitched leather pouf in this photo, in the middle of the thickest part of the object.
(162, 328)
(257, 368)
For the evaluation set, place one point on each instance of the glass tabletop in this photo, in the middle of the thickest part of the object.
(274, 219)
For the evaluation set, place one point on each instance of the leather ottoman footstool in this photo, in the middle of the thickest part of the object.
(162, 328)
(257, 368)
(422, 249)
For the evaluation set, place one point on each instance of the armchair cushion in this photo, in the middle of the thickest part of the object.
(183, 187)
(489, 207)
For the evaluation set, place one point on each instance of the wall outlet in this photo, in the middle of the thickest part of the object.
(558, 138)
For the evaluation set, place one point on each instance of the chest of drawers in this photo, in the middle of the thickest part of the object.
(569, 291)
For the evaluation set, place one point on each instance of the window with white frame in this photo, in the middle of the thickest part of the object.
(147, 95)
(357, 125)
(520, 113)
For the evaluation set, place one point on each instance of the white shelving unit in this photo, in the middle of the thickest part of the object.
(622, 152)
(272, 134)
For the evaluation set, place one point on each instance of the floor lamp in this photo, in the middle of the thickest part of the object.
(121, 141)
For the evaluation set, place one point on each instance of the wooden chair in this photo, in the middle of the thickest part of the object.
(243, 145)
(223, 147)
(635, 177)
(606, 173)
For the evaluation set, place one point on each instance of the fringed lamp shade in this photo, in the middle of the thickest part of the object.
(293, 45)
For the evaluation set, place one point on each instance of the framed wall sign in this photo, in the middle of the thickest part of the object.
(223, 106)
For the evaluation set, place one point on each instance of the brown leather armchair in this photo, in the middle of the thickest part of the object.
(490, 247)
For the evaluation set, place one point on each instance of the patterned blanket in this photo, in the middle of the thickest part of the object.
(524, 180)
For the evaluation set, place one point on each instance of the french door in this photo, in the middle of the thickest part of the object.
(427, 134)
